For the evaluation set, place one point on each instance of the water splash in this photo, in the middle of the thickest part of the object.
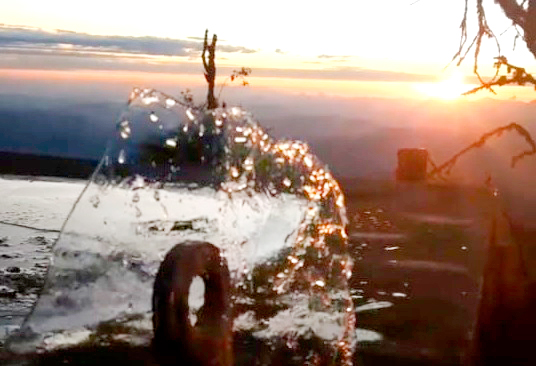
(174, 173)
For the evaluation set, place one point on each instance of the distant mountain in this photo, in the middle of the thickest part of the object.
(56, 129)
(356, 137)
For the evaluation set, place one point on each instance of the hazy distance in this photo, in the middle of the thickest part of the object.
(356, 137)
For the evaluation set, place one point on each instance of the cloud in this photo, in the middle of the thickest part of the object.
(279, 51)
(41, 60)
(330, 57)
(345, 73)
(31, 38)
(30, 48)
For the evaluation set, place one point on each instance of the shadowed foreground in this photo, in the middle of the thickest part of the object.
(430, 246)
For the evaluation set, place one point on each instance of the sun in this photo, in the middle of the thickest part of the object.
(450, 88)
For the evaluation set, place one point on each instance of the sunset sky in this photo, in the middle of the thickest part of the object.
(391, 48)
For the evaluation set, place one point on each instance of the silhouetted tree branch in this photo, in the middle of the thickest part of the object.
(447, 166)
(523, 17)
(237, 74)
(514, 75)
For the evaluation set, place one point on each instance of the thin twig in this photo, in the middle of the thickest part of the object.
(447, 166)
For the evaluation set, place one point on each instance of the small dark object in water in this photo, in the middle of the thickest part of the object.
(176, 341)
(13, 269)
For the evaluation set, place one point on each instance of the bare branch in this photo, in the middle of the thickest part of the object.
(483, 31)
(236, 74)
(446, 167)
(515, 76)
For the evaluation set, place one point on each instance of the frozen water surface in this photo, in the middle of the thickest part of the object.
(173, 174)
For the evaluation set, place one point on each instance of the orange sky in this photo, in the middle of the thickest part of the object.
(386, 48)
(340, 88)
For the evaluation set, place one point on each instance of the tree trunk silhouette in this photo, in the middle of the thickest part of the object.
(525, 19)
(210, 69)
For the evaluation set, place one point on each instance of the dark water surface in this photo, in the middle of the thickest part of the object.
(421, 248)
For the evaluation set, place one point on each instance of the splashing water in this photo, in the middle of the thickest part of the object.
(173, 174)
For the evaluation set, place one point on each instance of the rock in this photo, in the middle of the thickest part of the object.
(13, 269)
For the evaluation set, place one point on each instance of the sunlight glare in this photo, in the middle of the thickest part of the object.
(449, 88)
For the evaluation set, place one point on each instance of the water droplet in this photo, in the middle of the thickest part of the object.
(170, 102)
(287, 182)
(190, 114)
(464, 248)
(150, 99)
(219, 122)
(320, 283)
(240, 139)
(122, 157)
(153, 117)
(234, 172)
(171, 142)
(248, 164)
(125, 129)
(293, 260)
(388, 249)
